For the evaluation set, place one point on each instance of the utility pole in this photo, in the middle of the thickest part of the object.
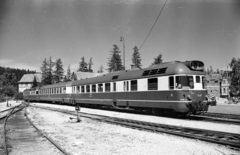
(123, 40)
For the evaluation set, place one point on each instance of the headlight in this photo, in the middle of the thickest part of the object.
(189, 98)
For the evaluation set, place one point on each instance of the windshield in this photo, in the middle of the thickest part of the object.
(184, 81)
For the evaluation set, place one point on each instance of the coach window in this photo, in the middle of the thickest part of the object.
(88, 88)
(60, 90)
(190, 82)
(171, 82)
(133, 85)
(82, 89)
(107, 87)
(78, 89)
(153, 84)
(204, 82)
(114, 86)
(100, 87)
(93, 88)
(198, 79)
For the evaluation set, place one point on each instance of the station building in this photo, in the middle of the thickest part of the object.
(218, 84)
(26, 81)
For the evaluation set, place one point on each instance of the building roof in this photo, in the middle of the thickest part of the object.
(28, 78)
(213, 77)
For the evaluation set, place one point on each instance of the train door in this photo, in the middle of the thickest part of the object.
(126, 93)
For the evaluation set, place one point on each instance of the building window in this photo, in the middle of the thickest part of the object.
(153, 84)
(133, 85)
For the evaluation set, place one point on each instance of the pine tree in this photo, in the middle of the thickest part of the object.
(211, 70)
(35, 84)
(90, 65)
(83, 65)
(59, 71)
(158, 60)
(47, 71)
(68, 76)
(136, 59)
(115, 61)
(100, 69)
(44, 71)
(235, 77)
(73, 76)
(8, 84)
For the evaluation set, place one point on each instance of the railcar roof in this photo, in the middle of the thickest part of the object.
(174, 67)
(56, 85)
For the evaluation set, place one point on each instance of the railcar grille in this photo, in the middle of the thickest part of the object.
(154, 71)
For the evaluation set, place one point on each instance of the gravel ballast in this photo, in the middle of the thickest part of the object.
(93, 137)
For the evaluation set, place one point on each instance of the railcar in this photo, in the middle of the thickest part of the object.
(167, 88)
(56, 93)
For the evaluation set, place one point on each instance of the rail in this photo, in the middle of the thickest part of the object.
(224, 138)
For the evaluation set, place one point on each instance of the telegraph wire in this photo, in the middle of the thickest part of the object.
(153, 25)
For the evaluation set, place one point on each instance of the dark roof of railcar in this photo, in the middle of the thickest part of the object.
(175, 67)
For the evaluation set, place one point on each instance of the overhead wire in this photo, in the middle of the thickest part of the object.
(153, 25)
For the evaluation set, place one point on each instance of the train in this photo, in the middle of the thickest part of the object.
(170, 88)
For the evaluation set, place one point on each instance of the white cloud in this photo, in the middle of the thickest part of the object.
(14, 64)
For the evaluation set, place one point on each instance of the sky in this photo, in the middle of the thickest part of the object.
(32, 30)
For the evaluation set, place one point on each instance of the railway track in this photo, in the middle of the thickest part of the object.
(220, 115)
(224, 120)
(22, 137)
(229, 139)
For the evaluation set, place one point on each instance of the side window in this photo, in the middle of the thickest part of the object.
(133, 85)
(126, 85)
(107, 87)
(190, 80)
(198, 79)
(88, 88)
(178, 82)
(78, 89)
(82, 89)
(94, 88)
(204, 82)
(100, 87)
(153, 84)
(114, 86)
(171, 82)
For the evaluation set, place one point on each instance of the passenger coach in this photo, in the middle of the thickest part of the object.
(165, 88)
